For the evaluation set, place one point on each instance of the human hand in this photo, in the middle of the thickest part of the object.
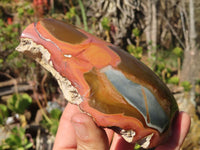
(180, 129)
(78, 131)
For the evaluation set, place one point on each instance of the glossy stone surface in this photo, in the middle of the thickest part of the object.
(116, 89)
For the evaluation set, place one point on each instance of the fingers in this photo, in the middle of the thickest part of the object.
(110, 134)
(88, 135)
(181, 128)
(78, 131)
(65, 137)
(179, 131)
(120, 144)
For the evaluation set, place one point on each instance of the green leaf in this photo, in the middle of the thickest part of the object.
(20, 11)
(1, 61)
(19, 102)
(13, 55)
(178, 51)
(161, 66)
(137, 147)
(55, 114)
(32, 65)
(3, 113)
(1, 23)
(13, 139)
(135, 51)
(130, 48)
(20, 148)
(186, 85)
(2, 39)
(17, 140)
(30, 11)
(136, 32)
(71, 13)
(105, 23)
(174, 80)
(54, 127)
(29, 145)
(11, 102)
(24, 101)
(20, 132)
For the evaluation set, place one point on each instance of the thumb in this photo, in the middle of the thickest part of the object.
(88, 135)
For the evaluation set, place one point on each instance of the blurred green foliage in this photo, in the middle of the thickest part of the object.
(174, 80)
(25, 9)
(8, 41)
(137, 147)
(136, 32)
(71, 16)
(8, 35)
(105, 23)
(186, 85)
(18, 103)
(71, 13)
(3, 113)
(54, 117)
(178, 51)
(17, 140)
(135, 51)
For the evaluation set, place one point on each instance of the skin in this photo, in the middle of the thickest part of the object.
(77, 131)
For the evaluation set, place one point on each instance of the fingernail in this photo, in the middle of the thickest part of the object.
(81, 131)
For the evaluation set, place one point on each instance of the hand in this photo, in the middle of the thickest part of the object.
(78, 131)
(180, 129)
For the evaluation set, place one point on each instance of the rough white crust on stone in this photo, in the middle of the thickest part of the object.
(128, 135)
(44, 58)
(145, 142)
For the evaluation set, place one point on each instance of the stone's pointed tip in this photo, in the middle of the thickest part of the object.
(22, 45)
(18, 48)
(145, 142)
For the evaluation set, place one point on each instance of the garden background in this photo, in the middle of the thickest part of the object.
(165, 35)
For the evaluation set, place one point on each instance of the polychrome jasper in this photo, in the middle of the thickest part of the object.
(116, 89)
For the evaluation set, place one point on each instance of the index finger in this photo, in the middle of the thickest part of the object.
(65, 137)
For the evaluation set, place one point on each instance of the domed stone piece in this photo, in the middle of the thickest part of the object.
(113, 87)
